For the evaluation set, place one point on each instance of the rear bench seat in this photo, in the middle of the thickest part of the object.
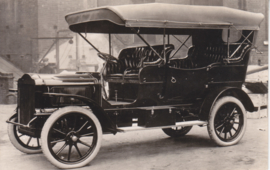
(131, 60)
(203, 56)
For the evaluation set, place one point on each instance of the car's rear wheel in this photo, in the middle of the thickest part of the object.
(227, 121)
(71, 137)
(177, 131)
(22, 142)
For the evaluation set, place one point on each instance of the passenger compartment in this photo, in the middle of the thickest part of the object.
(202, 56)
(132, 60)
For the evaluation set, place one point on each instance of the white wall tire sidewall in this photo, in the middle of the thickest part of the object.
(211, 128)
(51, 120)
(16, 144)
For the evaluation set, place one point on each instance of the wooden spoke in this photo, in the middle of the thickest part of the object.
(230, 133)
(221, 130)
(88, 134)
(29, 141)
(219, 126)
(21, 135)
(56, 141)
(82, 127)
(59, 131)
(69, 152)
(61, 149)
(85, 144)
(78, 150)
(232, 111)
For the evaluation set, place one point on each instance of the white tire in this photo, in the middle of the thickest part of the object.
(71, 126)
(227, 121)
(23, 143)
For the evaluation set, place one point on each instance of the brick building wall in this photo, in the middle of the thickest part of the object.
(18, 26)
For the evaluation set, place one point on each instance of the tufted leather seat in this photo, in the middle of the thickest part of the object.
(131, 60)
(204, 55)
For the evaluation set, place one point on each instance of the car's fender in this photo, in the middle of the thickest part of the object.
(105, 121)
(211, 98)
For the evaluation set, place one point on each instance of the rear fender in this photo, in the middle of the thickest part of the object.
(105, 121)
(210, 100)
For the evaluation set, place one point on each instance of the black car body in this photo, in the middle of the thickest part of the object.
(147, 86)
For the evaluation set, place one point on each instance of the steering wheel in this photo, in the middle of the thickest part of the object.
(107, 57)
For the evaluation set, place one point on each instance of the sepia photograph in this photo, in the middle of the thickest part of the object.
(134, 84)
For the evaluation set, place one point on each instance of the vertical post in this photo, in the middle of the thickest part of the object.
(77, 52)
(57, 53)
(110, 47)
(168, 38)
(228, 43)
(164, 54)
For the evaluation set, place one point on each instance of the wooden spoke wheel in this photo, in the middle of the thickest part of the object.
(22, 142)
(227, 121)
(71, 137)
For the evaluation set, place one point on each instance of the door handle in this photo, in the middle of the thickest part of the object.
(173, 80)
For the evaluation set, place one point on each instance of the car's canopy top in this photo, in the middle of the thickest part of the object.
(151, 17)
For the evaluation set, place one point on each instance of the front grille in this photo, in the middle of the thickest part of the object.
(26, 99)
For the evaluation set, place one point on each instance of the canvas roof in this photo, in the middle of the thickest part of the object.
(119, 19)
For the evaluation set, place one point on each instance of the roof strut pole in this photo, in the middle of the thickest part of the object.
(180, 47)
(228, 43)
(89, 42)
(179, 40)
(164, 40)
(110, 44)
(137, 32)
(246, 38)
(256, 48)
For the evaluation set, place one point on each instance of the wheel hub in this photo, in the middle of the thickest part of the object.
(74, 138)
(228, 125)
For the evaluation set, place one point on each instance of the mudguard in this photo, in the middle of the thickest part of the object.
(105, 121)
(13, 116)
(211, 98)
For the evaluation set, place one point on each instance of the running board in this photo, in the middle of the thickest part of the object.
(187, 123)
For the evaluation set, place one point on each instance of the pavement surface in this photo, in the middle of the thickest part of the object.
(153, 150)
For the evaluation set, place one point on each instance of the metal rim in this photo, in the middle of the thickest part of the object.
(24, 140)
(72, 138)
(228, 122)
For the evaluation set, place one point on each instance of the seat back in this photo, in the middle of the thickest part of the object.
(201, 56)
(135, 57)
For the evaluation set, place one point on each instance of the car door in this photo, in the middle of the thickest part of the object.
(186, 83)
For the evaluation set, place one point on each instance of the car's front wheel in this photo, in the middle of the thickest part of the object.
(22, 142)
(227, 121)
(71, 137)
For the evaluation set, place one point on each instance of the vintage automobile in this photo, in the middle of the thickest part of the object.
(65, 115)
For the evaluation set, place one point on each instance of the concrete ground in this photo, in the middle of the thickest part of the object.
(153, 150)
